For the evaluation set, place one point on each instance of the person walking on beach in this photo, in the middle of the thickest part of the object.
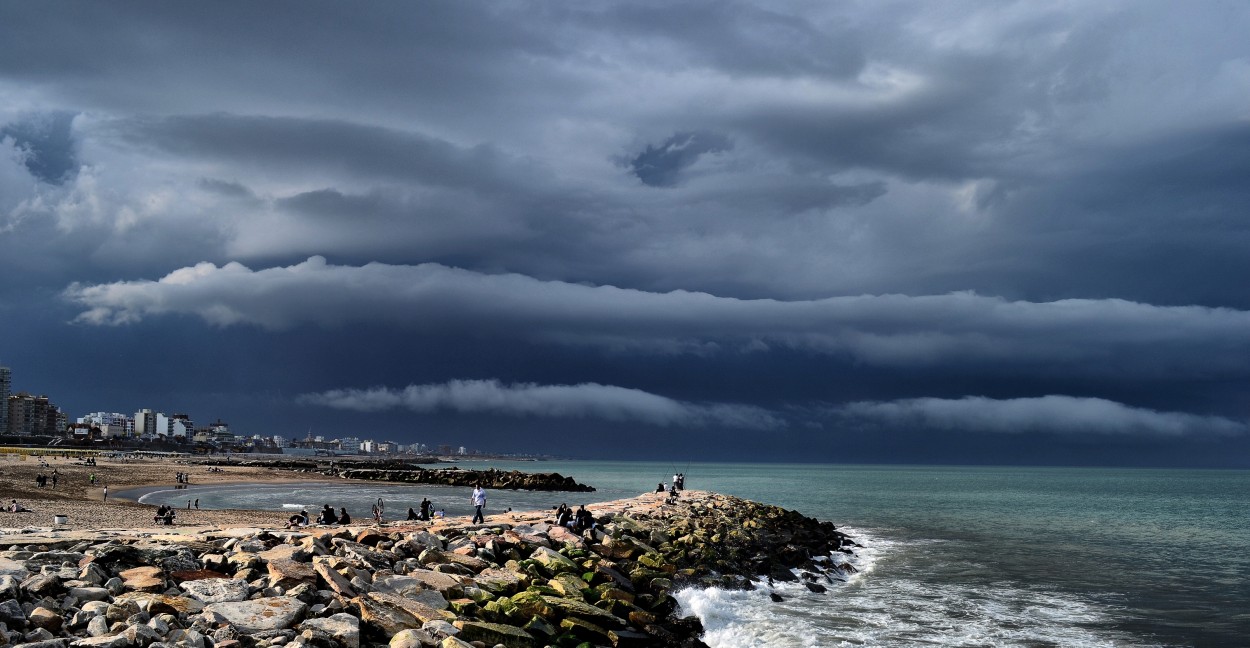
(479, 502)
(106, 493)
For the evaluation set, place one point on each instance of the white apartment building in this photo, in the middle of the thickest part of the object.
(122, 425)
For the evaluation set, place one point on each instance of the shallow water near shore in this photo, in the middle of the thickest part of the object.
(955, 556)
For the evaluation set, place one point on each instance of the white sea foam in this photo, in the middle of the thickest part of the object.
(890, 603)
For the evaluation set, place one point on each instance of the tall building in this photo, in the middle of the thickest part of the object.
(6, 387)
(163, 425)
(145, 422)
(32, 415)
(181, 426)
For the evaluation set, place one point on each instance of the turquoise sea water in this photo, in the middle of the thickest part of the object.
(958, 556)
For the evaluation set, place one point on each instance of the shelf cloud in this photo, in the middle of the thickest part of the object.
(1046, 414)
(984, 333)
(583, 401)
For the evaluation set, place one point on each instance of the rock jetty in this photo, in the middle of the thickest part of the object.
(522, 583)
(393, 472)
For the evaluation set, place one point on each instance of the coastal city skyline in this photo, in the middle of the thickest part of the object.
(865, 233)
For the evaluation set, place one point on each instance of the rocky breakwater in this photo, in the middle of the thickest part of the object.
(520, 584)
(494, 479)
(408, 474)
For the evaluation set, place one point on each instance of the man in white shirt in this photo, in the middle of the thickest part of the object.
(479, 501)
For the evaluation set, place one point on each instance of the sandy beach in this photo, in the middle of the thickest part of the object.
(86, 508)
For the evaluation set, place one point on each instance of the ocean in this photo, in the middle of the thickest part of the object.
(954, 556)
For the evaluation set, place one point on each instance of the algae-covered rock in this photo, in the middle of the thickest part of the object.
(552, 560)
(569, 586)
(495, 633)
(569, 607)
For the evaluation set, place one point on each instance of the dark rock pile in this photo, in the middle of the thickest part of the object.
(406, 473)
(514, 585)
(496, 479)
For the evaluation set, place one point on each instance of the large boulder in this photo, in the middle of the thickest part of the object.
(333, 579)
(144, 579)
(160, 603)
(552, 560)
(288, 573)
(448, 585)
(259, 615)
(216, 590)
(345, 628)
(15, 568)
(411, 638)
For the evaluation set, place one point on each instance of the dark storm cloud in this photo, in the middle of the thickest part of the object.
(661, 166)
(732, 36)
(711, 203)
(328, 145)
(225, 188)
(47, 143)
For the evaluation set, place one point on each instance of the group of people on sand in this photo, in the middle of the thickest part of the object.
(41, 479)
(427, 512)
(578, 521)
(164, 515)
(326, 516)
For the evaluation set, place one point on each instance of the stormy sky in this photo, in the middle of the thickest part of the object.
(1003, 233)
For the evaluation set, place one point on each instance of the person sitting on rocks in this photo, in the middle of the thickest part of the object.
(584, 520)
(659, 488)
(564, 516)
(327, 515)
(297, 520)
(344, 518)
(412, 514)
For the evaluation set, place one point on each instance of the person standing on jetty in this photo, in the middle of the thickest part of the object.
(479, 502)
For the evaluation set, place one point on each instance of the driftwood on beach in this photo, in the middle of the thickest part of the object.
(408, 474)
(515, 581)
